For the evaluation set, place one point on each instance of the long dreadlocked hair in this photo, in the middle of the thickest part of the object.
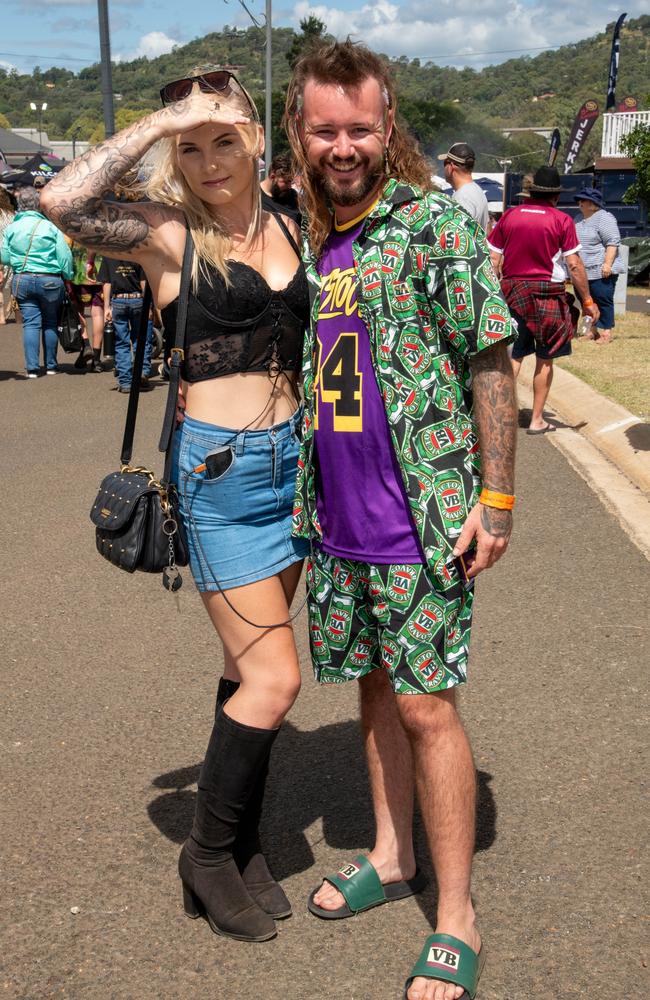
(346, 64)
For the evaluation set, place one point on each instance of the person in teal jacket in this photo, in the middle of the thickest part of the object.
(40, 259)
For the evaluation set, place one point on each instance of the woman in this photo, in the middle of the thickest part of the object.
(599, 237)
(86, 290)
(246, 315)
(39, 257)
(6, 215)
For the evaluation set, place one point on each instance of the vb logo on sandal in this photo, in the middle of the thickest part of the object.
(349, 871)
(443, 958)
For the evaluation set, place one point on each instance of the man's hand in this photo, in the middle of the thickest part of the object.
(491, 528)
(591, 310)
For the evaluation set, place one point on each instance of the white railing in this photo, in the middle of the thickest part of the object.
(615, 126)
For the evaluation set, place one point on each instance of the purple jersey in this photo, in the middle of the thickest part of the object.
(360, 496)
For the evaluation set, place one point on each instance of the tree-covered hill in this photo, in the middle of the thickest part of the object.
(442, 105)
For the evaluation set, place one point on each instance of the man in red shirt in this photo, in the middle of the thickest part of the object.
(530, 247)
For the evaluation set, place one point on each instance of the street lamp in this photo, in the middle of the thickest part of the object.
(40, 109)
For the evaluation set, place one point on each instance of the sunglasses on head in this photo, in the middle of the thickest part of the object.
(210, 83)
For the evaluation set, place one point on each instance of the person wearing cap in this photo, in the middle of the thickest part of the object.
(458, 163)
(600, 239)
(528, 247)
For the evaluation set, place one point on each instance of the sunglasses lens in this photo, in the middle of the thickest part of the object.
(218, 80)
(176, 91)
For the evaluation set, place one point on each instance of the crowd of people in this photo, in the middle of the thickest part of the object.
(41, 267)
(347, 398)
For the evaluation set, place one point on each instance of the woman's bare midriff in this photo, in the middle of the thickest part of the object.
(243, 400)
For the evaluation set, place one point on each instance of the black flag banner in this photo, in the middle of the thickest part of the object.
(582, 126)
(613, 64)
(554, 147)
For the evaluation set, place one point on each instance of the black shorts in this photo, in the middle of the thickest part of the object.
(526, 344)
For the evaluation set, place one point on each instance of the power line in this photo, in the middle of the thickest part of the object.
(441, 55)
(43, 55)
(497, 52)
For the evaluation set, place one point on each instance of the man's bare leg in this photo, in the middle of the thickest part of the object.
(446, 783)
(542, 380)
(390, 769)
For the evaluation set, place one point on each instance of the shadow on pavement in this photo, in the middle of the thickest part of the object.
(314, 774)
(525, 415)
(639, 436)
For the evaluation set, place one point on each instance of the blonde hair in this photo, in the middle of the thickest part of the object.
(161, 180)
(347, 64)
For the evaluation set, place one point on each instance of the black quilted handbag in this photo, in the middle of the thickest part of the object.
(136, 520)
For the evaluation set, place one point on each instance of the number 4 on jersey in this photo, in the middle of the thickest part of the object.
(339, 382)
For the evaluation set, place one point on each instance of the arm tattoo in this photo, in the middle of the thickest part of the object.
(75, 200)
(102, 225)
(495, 412)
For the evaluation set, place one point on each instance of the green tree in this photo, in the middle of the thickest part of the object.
(312, 30)
(637, 146)
(83, 126)
(4, 121)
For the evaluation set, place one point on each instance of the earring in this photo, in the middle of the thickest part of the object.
(386, 167)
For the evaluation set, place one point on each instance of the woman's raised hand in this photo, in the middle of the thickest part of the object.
(196, 110)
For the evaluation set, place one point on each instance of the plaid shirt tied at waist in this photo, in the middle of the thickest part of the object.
(545, 307)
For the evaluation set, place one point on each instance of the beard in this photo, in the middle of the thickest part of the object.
(341, 192)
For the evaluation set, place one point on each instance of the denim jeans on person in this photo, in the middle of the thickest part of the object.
(126, 319)
(602, 292)
(40, 297)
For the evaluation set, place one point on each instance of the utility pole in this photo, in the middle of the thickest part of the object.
(268, 149)
(107, 78)
(504, 164)
(268, 117)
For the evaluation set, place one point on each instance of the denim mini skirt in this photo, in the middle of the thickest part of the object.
(238, 522)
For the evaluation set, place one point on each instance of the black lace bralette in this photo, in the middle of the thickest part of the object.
(244, 327)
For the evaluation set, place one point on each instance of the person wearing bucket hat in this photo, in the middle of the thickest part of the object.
(528, 246)
(458, 162)
(600, 239)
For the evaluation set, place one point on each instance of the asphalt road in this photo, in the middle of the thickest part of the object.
(108, 688)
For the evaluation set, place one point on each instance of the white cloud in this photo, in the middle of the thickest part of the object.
(9, 67)
(155, 43)
(461, 32)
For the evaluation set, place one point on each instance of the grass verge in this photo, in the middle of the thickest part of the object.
(619, 370)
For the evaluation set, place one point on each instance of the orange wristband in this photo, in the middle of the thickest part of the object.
(502, 501)
(587, 302)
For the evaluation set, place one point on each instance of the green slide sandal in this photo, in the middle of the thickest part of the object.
(361, 887)
(447, 958)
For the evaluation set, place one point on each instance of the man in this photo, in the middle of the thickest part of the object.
(277, 188)
(123, 283)
(406, 311)
(527, 247)
(458, 164)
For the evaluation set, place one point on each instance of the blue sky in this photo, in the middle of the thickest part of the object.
(449, 32)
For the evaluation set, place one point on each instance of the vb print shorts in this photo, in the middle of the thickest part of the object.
(364, 617)
(238, 522)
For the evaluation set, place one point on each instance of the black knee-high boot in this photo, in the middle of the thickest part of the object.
(212, 885)
(248, 850)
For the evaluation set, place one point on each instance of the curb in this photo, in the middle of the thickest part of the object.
(620, 436)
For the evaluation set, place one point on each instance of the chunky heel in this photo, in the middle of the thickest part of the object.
(191, 903)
